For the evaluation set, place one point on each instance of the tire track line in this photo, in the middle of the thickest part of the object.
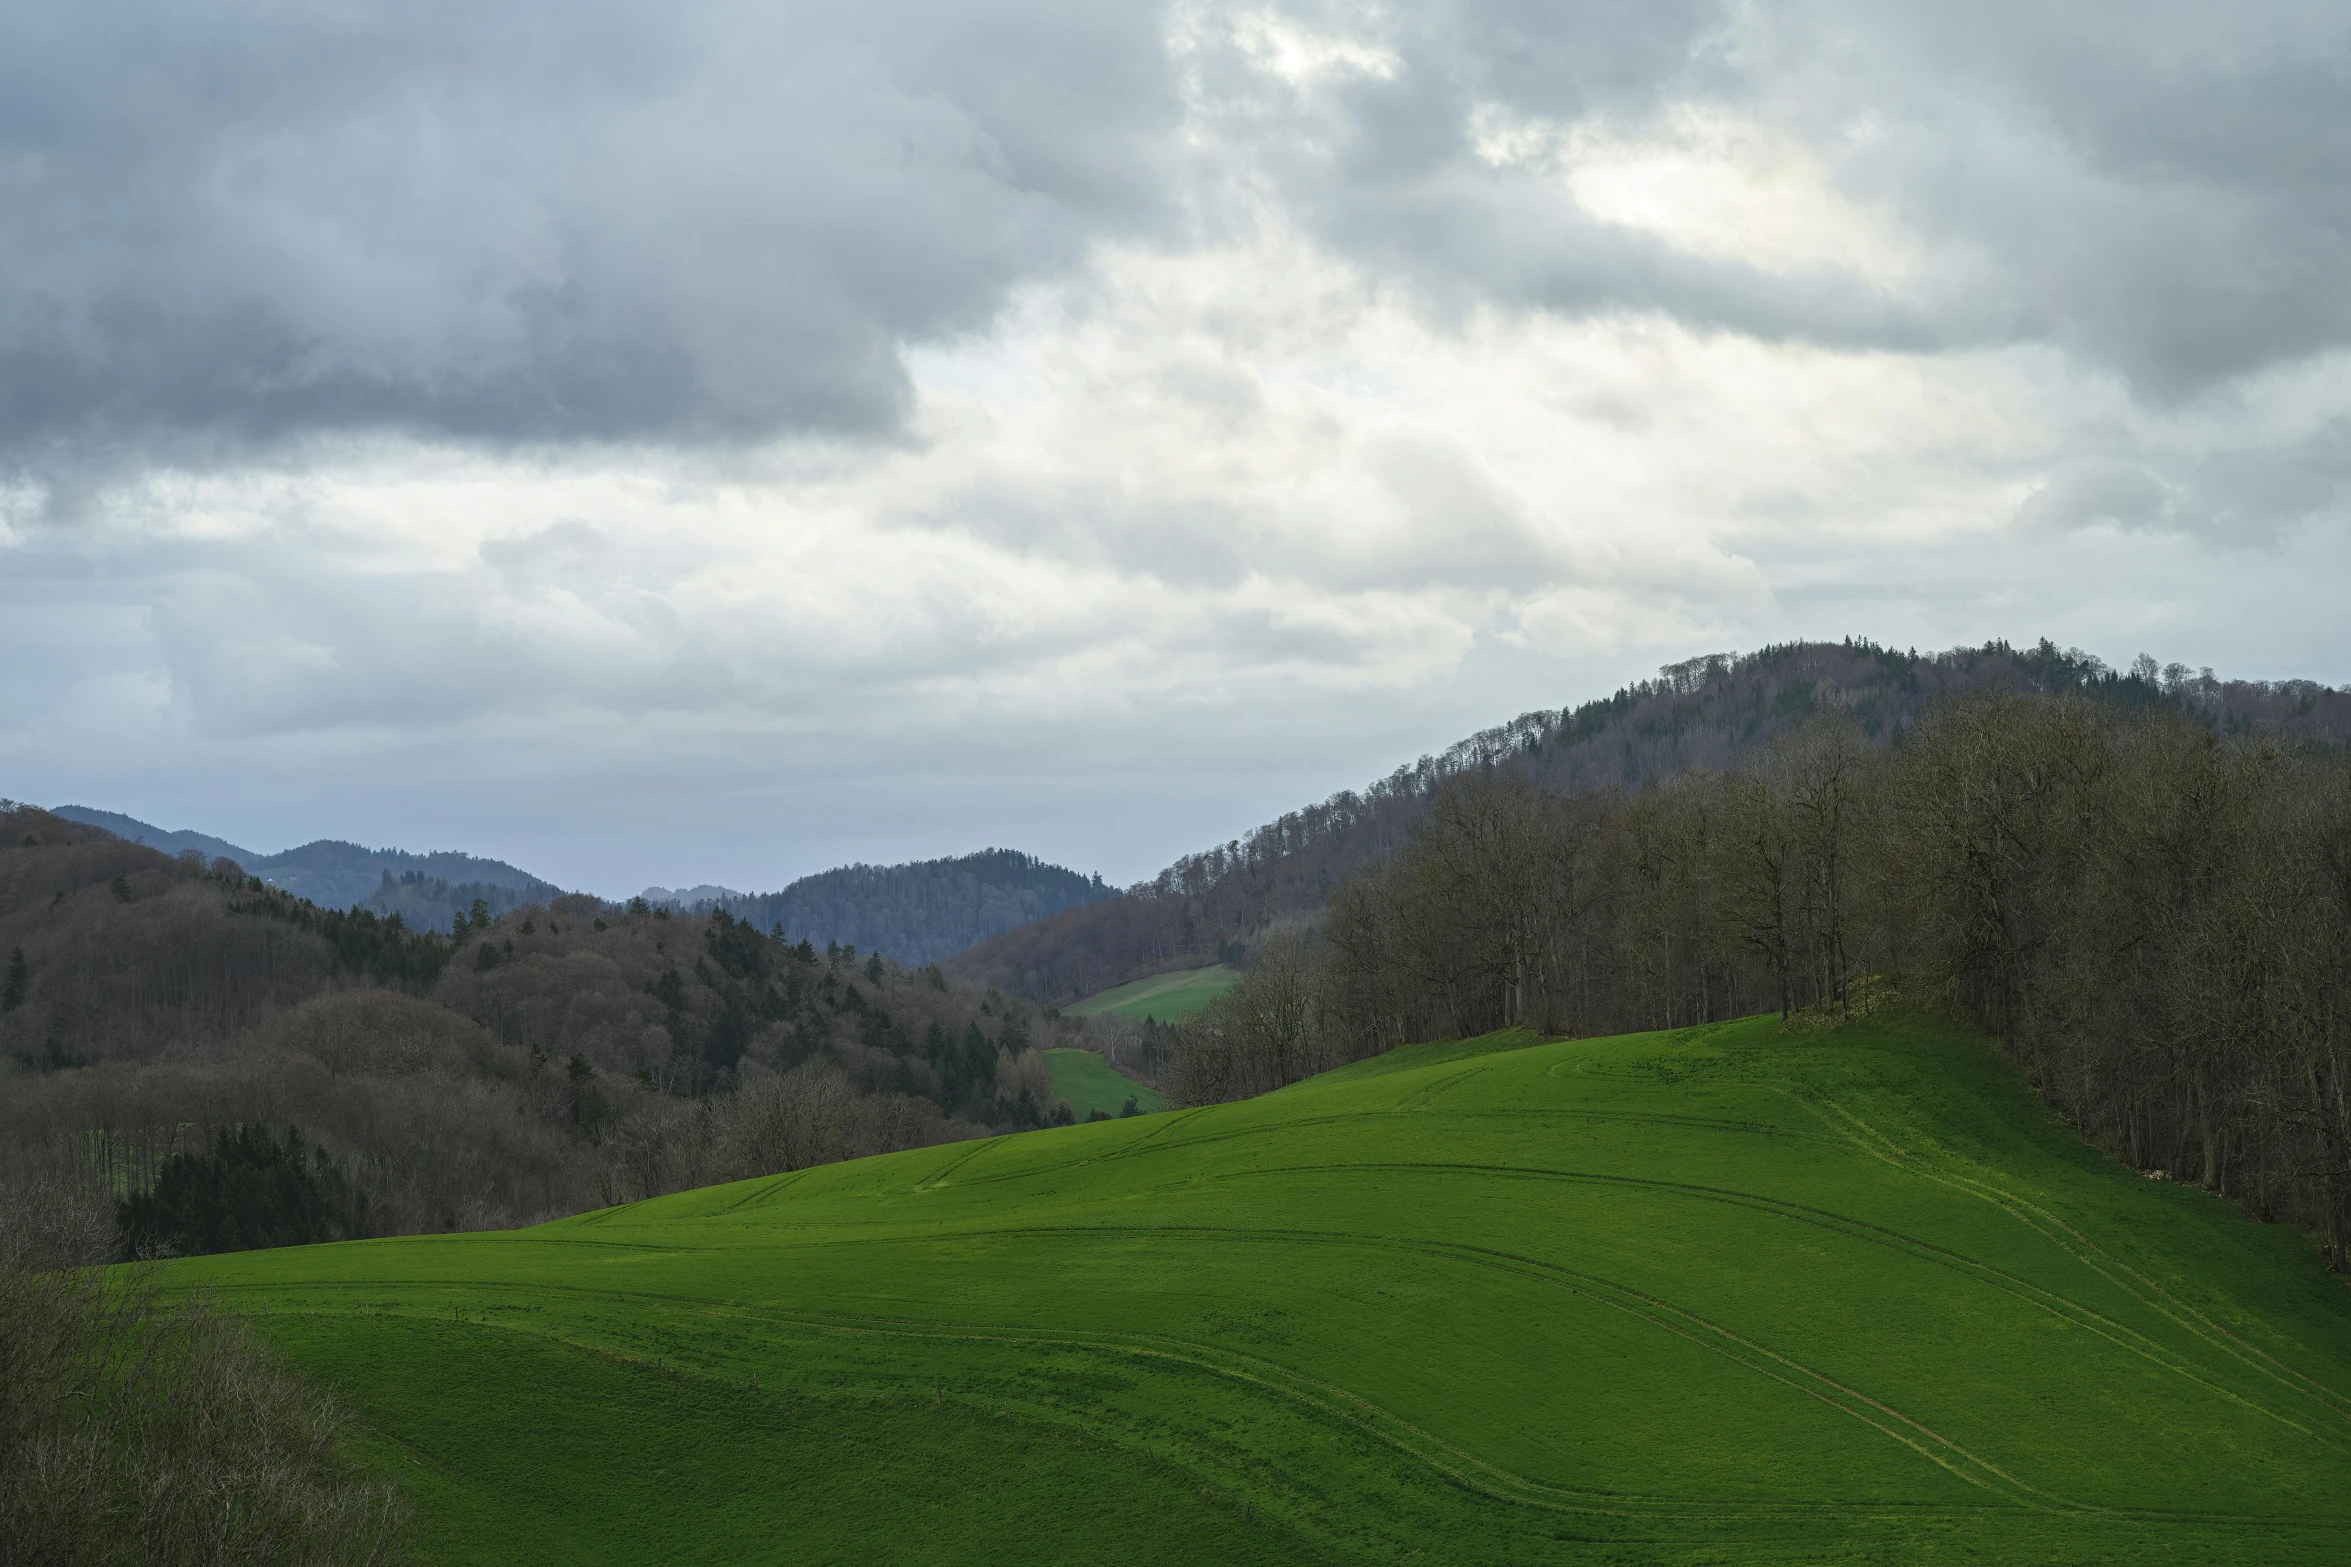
(2085, 1251)
(2123, 1337)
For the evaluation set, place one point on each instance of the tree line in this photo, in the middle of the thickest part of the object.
(2151, 914)
(1702, 714)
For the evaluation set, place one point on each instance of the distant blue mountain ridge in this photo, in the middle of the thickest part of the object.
(329, 872)
(916, 913)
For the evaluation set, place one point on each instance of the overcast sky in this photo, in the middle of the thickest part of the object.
(677, 444)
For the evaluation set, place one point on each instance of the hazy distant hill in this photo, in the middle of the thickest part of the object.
(709, 893)
(917, 913)
(132, 830)
(334, 874)
(424, 889)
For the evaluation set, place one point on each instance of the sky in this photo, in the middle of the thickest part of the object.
(659, 444)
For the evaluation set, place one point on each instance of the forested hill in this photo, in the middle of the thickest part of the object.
(424, 888)
(132, 830)
(915, 913)
(921, 912)
(334, 874)
(561, 1056)
(1706, 712)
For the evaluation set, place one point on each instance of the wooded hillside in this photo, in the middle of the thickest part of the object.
(335, 874)
(559, 1056)
(920, 912)
(1704, 714)
(914, 913)
(2151, 914)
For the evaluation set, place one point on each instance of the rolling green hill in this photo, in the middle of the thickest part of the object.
(1170, 998)
(1089, 1083)
(1724, 1295)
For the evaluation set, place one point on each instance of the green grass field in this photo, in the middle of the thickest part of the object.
(1090, 1083)
(1170, 998)
(1721, 1296)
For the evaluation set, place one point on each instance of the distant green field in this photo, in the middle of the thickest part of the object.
(1168, 997)
(1089, 1084)
(1727, 1295)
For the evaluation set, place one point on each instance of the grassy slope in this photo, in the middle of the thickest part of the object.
(1724, 1295)
(1090, 1083)
(1168, 997)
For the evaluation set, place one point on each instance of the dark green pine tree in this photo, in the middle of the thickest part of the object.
(249, 1191)
(12, 988)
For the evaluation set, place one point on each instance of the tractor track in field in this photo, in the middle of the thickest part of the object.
(1419, 1100)
(939, 1178)
(2187, 1344)
(2128, 1339)
(2087, 1252)
(1351, 1409)
(1360, 1412)
(767, 1192)
(1855, 1133)
(1711, 1335)
(1456, 1463)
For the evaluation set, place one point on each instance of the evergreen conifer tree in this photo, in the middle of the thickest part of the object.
(12, 988)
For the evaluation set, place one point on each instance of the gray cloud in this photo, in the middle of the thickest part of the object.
(2165, 188)
(614, 220)
(2162, 190)
(621, 221)
(2090, 492)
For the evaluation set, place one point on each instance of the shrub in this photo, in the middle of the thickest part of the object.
(140, 1429)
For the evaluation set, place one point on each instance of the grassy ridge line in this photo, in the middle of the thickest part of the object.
(1464, 1301)
(1170, 998)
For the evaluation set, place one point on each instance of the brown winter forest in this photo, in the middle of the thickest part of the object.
(2147, 905)
(556, 1058)
(1702, 714)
